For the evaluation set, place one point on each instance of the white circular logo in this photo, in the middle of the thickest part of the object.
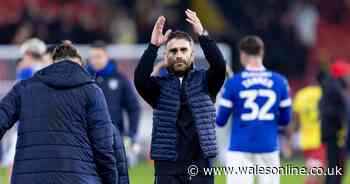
(192, 170)
(113, 84)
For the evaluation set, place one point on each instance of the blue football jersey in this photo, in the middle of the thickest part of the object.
(259, 103)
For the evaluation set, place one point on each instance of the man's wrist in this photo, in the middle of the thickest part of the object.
(205, 37)
(204, 33)
(153, 46)
(151, 43)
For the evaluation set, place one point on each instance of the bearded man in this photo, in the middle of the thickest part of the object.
(182, 99)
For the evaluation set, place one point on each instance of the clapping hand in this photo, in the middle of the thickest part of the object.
(191, 17)
(158, 38)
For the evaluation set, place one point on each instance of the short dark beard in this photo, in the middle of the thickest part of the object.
(181, 73)
(178, 73)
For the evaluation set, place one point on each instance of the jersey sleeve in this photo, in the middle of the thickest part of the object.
(226, 103)
(286, 101)
(285, 105)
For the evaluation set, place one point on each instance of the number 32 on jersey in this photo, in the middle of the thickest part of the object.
(257, 112)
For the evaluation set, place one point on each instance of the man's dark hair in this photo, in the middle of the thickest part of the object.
(99, 44)
(65, 50)
(251, 45)
(179, 35)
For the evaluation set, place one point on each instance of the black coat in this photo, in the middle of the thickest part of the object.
(333, 108)
(65, 133)
(120, 97)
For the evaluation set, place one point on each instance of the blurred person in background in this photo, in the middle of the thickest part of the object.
(259, 102)
(333, 113)
(119, 93)
(32, 52)
(182, 100)
(309, 132)
(159, 68)
(54, 106)
(122, 27)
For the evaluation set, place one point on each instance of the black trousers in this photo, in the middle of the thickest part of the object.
(183, 179)
(336, 158)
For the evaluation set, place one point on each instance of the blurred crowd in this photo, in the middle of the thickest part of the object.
(83, 21)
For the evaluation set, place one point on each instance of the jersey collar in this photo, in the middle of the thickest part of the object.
(253, 69)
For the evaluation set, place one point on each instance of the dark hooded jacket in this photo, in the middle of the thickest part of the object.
(120, 97)
(333, 108)
(65, 133)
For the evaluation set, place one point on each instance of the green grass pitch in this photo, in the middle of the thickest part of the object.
(143, 174)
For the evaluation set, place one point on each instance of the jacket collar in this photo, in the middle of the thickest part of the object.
(108, 70)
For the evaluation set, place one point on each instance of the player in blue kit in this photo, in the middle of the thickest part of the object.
(259, 102)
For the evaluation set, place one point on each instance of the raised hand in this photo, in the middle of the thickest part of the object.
(158, 38)
(191, 17)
